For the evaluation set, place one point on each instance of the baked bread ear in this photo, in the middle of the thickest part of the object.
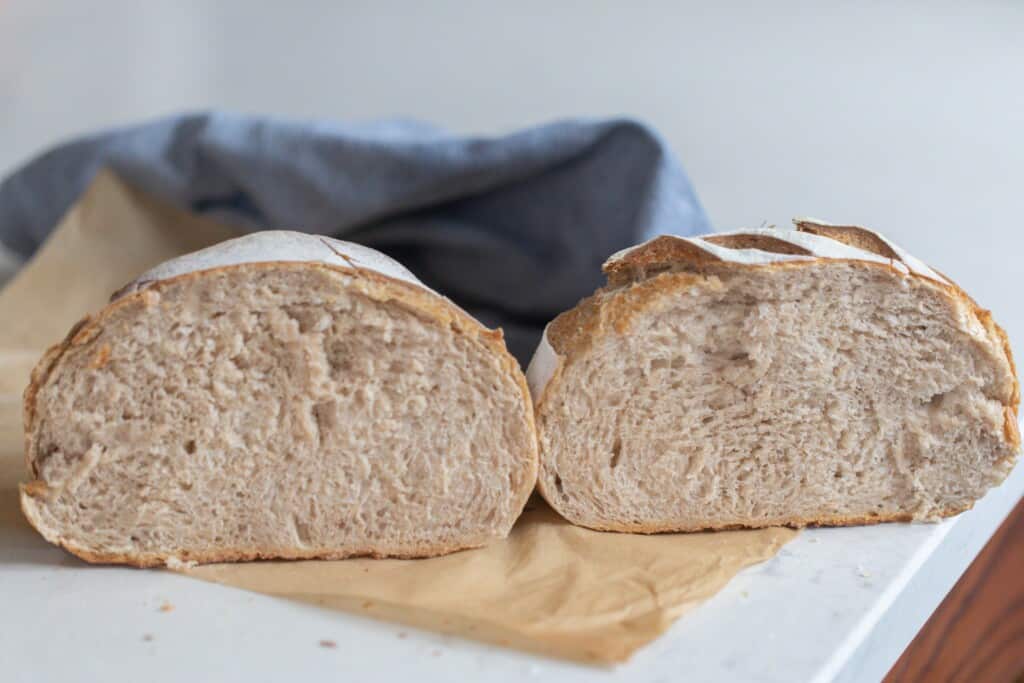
(772, 377)
(279, 395)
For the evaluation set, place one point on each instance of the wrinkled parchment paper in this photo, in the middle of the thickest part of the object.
(551, 588)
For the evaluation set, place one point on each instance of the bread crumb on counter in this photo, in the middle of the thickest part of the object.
(179, 564)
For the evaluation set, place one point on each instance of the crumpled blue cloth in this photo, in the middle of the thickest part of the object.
(513, 228)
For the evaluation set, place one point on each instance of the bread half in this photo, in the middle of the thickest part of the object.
(772, 377)
(280, 395)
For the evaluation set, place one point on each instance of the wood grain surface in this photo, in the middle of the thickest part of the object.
(977, 633)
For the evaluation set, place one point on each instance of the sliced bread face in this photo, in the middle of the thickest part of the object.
(772, 377)
(277, 396)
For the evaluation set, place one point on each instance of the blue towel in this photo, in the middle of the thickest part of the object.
(512, 228)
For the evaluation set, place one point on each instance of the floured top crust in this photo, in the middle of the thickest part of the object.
(810, 240)
(276, 245)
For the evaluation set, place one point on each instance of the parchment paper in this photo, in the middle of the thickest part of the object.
(550, 588)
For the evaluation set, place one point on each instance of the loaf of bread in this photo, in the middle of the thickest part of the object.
(279, 395)
(772, 377)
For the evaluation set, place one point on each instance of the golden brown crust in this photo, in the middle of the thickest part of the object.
(669, 264)
(792, 522)
(381, 287)
(654, 257)
(767, 243)
(852, 235)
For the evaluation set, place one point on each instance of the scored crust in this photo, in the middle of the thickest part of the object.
(633, 278)
(375, 284)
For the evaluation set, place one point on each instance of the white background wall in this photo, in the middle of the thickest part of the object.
(907, 117)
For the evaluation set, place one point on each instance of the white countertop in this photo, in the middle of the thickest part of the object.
(833, 605)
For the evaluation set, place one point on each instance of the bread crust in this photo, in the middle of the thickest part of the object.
(668, 264)
(791, 522)
(372, 283)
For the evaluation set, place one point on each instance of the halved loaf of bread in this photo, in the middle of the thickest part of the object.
(280, 395)
(772, 377)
